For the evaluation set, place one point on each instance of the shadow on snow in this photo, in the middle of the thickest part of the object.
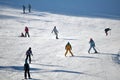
(48, 65)
(66, 71)
(86, 57)
(116, 58)
(18, 68)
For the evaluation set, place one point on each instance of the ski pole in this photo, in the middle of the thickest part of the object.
(110, 32)
(98, 49)
(33, 58)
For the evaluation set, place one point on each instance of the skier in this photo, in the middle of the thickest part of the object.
(92, 45)
(28, 54)
(68, 47)
(27, 32)
(106, 31)
(22, 35)
(26, 70)
(29, 8)
(23, 9)
(55, 31)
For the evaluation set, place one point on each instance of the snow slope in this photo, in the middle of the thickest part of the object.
(48, 61)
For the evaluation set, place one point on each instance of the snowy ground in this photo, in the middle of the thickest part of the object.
(48, 61)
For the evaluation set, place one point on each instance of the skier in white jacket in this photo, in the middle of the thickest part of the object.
(55, 31)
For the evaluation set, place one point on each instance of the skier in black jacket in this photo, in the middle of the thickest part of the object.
(26, 70)
(28, 54)
(106, 31)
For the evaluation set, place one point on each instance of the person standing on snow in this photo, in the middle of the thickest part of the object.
(68, 47)
(23, 9)
(26, 70)
(27, 32)
(92, 45)
(29, 8)
(28, 54)
(55, 31)
(106, 31)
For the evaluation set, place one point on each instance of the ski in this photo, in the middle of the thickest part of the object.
(27, 79)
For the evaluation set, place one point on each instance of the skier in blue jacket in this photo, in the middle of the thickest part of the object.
(92, 45)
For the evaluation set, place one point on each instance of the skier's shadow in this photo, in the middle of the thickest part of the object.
(86, 57)
(105, 53)
(18, 68)
(67, 71)
(48, 65)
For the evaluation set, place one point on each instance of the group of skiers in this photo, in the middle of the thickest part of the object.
(24, 8)
(68, 48)
(26, 32)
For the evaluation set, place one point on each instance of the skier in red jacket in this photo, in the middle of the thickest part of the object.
(27, 32)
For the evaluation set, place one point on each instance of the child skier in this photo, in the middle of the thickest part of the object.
(27, 32)
(28, 54)
(92, 45)
(22, 35)
(106, 31)
(68, 47)
(26, 70)
(55, 31)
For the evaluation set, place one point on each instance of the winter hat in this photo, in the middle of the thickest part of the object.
(29, 48)
(68, 43)
(90, 38)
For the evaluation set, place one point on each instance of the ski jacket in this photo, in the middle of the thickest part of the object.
(68, 47)
(29, 6)
(29, 52)
(26, 29)
(26, 67)
(92, 43)
(23, 7)
(55, 30)
(107, 29)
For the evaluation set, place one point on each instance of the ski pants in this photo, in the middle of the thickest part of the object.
(25, 74)
(56, 35)
(91, 48)
(106, 32)
(68, 50)
(27, 33)
(29, 58)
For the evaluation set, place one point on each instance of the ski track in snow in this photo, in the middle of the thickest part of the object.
(48, 60)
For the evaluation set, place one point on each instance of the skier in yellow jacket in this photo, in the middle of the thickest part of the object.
(68, 47)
